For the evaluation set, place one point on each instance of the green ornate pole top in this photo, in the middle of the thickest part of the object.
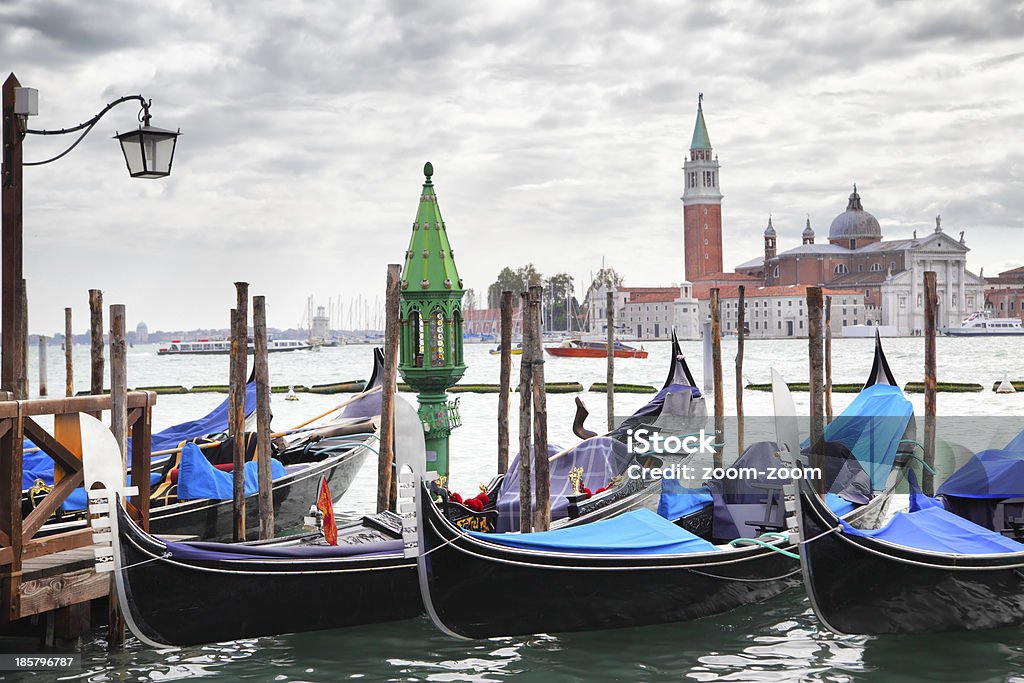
(430, 321)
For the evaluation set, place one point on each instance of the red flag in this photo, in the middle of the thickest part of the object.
(326, 506)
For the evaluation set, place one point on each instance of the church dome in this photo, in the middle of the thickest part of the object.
(855, 222)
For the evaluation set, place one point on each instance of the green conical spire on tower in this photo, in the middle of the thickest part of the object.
(700, 129)
(429, 262)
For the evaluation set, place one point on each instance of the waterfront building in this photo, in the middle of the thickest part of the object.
(1004, 295)
(141, 333)
(780, 311)
(645, 312)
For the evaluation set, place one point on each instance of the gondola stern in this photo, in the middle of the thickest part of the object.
(678, 370)
(880, 371)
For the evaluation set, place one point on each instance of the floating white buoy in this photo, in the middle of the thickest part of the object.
(1005, 387)
(291, 394)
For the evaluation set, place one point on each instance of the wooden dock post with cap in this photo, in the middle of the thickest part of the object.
(504, 380)
(263, 453)
(542, 516)
(739, 367)
(716, 369)
(386, 484)
(610, 380)
(525, 423)
(42, 366)
(931, 302)
(96, 342)
(815, 381)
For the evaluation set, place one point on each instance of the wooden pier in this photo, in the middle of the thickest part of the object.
(53, 575)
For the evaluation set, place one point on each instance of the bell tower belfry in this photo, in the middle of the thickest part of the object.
(702, 205)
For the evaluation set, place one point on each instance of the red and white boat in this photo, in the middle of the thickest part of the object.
(577, 348)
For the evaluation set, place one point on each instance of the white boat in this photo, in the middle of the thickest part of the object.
(982, 323)
(223, 346)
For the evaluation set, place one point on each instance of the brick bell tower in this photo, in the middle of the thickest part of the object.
(702, 205)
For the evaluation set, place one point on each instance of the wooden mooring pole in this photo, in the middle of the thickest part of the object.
(42, 365)
(610, 380)
(263, 454)
(716, 370)
(931, 302)
(239, 350)
(828, 360)
(740, 320)
(95, 343)
(21, 386)
(816, 382)
(69, 361)
(542, 516)
(525, 423)
(119, 428)
(386, 484)
(504, 380)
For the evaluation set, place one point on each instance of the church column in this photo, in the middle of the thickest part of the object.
(963, 289)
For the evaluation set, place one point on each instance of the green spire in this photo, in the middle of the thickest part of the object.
(429, 262)
(700, 129)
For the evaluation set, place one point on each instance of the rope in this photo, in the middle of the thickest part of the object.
(162, 556)
(763, 544)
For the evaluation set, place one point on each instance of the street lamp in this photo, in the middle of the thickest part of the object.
(148, 152)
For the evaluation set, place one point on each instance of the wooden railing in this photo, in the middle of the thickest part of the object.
(17, 531)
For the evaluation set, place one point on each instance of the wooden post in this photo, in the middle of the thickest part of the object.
(240, 349)
(816, 382)
(11, 238)
(119, 427)
(505, 380)
(69, 363)
(386, 457)
(42, 366)
(931, 301)
(525, 395)
(542, 516)
(263, 454)
(610, 379)
(96, 343)
(828, 360)
(739, 368)
(21, 385)
(716, 369)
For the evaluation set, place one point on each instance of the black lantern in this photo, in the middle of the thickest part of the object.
(148, 151)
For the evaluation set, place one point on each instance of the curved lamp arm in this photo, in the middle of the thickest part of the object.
(144, 118)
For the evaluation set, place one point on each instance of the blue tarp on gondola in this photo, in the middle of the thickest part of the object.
(988, 474)
(678, 501)
(197, 478)
(640, 532)
(37, 465)
(872, 427)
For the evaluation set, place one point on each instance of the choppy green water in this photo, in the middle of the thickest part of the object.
(779, 640)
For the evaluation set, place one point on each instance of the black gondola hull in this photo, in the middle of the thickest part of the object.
(864, 586)
(475, 589)
(179, 603)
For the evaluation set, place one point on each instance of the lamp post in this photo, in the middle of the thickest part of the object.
(148, 152)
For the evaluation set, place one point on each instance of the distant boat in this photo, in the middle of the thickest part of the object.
(517, 351)
(982, 323)
(578, 348)
(223, 346)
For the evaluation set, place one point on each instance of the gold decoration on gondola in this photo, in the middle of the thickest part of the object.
(38, 490)
(442, 481)
(576, 477)
(614, 481)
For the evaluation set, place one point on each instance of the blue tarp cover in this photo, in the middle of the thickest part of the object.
(839, 506)
(988, 474)
(77, 500)
(197, 478)
(939, 530)
(640, 532)
(678, 501)
(871, 427)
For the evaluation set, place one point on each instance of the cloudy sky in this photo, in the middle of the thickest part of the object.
(557, 131)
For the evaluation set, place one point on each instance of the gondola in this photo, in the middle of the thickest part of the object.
(727, 545)
(905, 564)
(304, 460)
(179, 594)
